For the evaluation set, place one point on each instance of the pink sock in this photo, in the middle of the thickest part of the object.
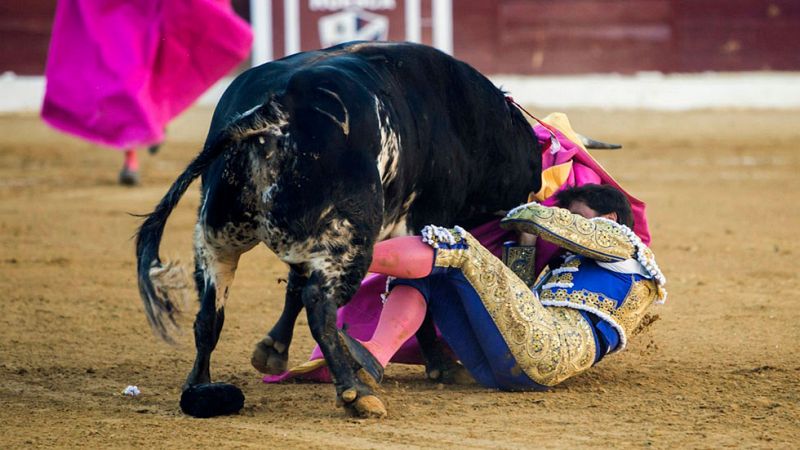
(400, 318)
(131, 161)
(402, 257)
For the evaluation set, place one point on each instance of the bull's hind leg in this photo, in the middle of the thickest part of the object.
(215, 266)
(271, 354)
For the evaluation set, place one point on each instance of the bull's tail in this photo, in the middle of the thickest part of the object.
(154, 277)
(158, 306)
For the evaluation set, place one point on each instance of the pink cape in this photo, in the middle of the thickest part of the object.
(118, 71)
(585, 170)
(362, 313)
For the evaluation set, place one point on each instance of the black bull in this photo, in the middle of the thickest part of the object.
(321, 154)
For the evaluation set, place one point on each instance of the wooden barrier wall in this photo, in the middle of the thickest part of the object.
(547, 36)
(626, 36)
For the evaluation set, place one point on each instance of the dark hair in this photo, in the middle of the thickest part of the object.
(600, 197)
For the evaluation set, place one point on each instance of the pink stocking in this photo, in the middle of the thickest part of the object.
(402, 257)
(400, 318)
(404, 310)
(131, 161)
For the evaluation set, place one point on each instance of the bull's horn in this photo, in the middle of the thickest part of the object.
(597, 145)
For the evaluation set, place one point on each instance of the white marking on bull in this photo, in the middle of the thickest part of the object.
(325, 212)
(211, 248)
(337, 234)
(399, 226)
(390, 146)
(245, 114)
(266, 196)
(272, 124)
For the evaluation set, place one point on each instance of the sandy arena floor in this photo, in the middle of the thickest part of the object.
(721, 367)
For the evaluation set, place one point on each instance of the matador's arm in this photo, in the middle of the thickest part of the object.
(598, 238)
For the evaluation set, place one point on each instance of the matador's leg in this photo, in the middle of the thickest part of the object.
(548, 344)
(405, 309)
(402, 257)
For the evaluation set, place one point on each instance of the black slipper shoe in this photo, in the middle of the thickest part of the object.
(128, 177)
(362, 356)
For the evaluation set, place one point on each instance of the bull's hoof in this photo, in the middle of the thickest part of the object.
(270, 357)
(364, 406)
(212, 399)
(452, 373)
(368, 407)
(360, 402)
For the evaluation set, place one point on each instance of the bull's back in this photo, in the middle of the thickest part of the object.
(466, 151)
(459, 150)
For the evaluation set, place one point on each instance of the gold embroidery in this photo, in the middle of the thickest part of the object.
(544, 276)
(641, 295)
(563, 277)
(572, 262)
(549, 344)
(648, 260)
(627, 317)
(602, 240)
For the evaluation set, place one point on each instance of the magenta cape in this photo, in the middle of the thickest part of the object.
(361, 314)
(584, 170)
(118, 71)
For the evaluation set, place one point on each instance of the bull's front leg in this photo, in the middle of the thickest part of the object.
(271, 354)
(352, 368)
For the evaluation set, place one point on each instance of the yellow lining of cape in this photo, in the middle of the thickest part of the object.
(561, 122)
(555, 177)
(552, 179)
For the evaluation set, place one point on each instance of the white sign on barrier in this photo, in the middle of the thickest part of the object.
(335, 5)
(301, 25)
(351, 25)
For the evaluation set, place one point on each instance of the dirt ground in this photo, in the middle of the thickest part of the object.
(719, 369)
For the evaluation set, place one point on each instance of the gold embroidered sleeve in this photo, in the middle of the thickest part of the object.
(598, 239)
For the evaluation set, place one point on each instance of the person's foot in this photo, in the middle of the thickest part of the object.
(153, 149)
(128, 177)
